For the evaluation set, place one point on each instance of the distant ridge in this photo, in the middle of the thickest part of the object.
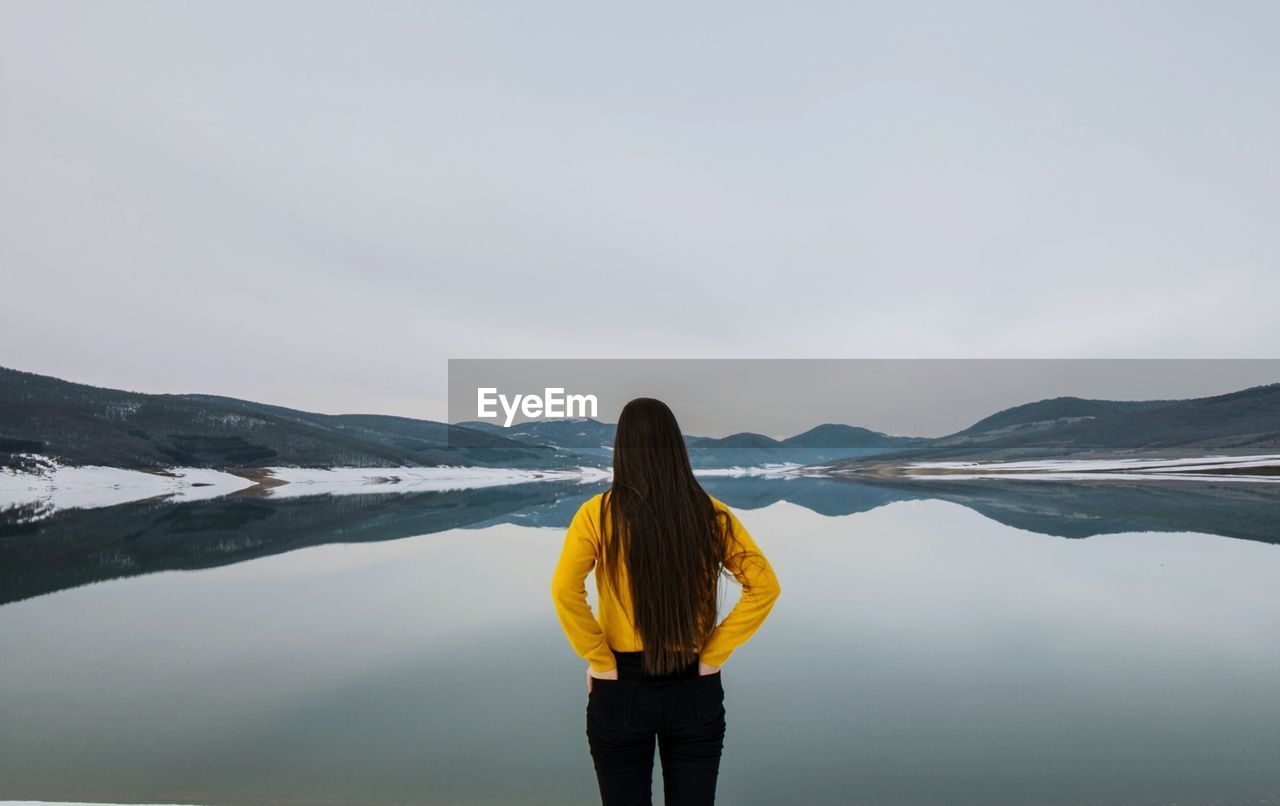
(79, 424)
(1249, 418)
(745, 439)
(593, 440)
(579, 434)
(1057, 410)
(837, 435)
(1247, 421)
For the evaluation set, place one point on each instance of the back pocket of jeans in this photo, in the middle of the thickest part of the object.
(708, 696)
(609, 703)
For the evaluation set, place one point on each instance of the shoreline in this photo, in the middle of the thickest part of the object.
(35, 494)
(1260, 468)
(55, 486)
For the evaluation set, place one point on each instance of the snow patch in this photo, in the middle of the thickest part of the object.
(771, 471)
(1102, 469)
(56, 487)
(364, 480)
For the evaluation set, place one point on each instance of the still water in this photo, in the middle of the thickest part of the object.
(980, 642)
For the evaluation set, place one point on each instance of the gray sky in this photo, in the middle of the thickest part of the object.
(317, 204)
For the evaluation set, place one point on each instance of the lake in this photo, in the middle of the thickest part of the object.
(993, 642)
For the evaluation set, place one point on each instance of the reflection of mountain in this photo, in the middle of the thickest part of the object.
(77, 547)
(828, 497)
(553, 511)
(1061, 509)
(1084, 509)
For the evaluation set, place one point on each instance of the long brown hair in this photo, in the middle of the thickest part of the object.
(669, 535)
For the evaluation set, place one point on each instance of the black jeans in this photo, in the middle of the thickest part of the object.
(684, 712)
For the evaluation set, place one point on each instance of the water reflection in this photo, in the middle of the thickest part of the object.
(927, 651)
(76, 547)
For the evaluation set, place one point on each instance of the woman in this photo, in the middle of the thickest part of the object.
(658, 544)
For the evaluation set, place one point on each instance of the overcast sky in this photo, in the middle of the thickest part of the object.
(317, 204)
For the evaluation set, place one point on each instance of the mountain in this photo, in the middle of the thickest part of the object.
(1247, 421)
(821, 444)
(1042, 416)
(80, 424)
(580, 435)
(592, 441)
(837, 435)
(743, 440)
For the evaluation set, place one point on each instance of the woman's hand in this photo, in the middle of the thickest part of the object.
(612, 674)
(704, 669)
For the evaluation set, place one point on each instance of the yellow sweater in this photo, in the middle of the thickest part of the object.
(597, 640)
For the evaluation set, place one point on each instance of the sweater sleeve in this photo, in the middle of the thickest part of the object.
(569, 592)
(760, 589)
